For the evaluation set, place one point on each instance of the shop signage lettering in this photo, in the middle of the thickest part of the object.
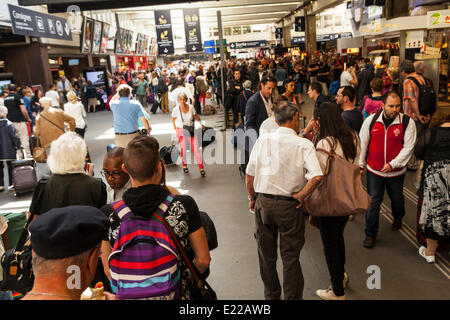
(439, 19)
(192, 30)
(36, 24)
(164, 32)
(322, 37)
(250, 44)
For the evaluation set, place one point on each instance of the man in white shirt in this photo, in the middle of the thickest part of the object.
(277, 186)
(270, 125)
(63, 87)
(348, 77)
(118, 180)
(53, 94)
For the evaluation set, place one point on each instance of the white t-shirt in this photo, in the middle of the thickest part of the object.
(154, 82)
(77, 111)
(188, 118)
(52, 94)
(346, 77)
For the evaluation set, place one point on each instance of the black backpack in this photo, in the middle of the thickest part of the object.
(427, 98)
(162, 85)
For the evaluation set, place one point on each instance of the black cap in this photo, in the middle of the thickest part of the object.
(66, 232)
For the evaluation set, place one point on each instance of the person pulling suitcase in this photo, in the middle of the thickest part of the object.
(9, 144)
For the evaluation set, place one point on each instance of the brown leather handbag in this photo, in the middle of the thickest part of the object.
(340, 192)
(39, 153)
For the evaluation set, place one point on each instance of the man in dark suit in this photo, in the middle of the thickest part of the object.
(259, 105)
(258, 109)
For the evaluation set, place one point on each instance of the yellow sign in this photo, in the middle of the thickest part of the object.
(353, 50)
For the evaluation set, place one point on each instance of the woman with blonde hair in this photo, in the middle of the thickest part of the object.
(75, 109)
(184, 116)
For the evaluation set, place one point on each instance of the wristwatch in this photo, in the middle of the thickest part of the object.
(252, 199)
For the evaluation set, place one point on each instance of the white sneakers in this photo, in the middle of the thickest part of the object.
(328, 294)
(422, 252)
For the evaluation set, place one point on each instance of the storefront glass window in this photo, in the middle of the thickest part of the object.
(227, 31)
(236, 31)
(337, 21)
(215, 32)
(246, 29)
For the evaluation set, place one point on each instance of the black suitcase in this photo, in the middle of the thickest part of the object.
(23, 175)
(154, 107)
(208, 136)
(169, 154)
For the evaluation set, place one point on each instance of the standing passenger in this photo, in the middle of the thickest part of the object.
(275, 188)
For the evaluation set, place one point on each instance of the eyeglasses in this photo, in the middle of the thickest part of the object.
(115, 175)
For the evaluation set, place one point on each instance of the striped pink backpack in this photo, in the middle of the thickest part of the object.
(144, 262)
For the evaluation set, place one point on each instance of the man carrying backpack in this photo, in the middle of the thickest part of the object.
(146, 262)
(419, 100)
(163, 90)
(387, 142)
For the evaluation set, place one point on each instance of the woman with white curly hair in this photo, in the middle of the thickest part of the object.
(68, 184)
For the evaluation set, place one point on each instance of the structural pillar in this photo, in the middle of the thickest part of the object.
(310, 33)
(402, 45)
(222, 62)
(29, 64)
(286, 36)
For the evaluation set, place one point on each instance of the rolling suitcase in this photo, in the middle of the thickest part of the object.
(208, 136)
(155, 106)
(169, 154)
(24, 175)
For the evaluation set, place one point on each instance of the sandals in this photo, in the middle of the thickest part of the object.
(422, 252)
(185, 170)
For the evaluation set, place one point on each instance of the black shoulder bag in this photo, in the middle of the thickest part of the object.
(189, 129)
(16, 263)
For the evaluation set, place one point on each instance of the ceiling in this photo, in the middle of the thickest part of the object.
(234, 12)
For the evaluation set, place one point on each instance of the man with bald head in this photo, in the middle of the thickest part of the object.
(419, 67)
(118, 180)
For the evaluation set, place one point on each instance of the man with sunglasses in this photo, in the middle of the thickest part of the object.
(118, 180)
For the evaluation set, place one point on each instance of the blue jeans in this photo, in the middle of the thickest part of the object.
(375, 187)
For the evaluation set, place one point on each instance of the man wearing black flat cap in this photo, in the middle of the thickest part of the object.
(66, 245)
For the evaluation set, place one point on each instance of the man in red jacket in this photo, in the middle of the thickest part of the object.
(387, 142)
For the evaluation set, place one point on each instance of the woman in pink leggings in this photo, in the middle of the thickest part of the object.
(184, 115)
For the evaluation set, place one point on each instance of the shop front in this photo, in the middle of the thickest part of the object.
(438, 37)
(125, 62)
(140, 62)
(69, 65)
